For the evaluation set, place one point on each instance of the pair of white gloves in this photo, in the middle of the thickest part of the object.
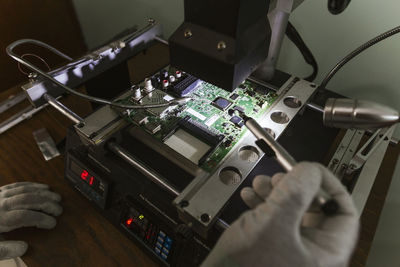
(25, 204)
(277, 231)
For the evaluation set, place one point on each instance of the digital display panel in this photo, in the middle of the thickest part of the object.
(88, 177)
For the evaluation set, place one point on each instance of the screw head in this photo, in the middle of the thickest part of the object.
(80, 125)
(151, 21)
(335, 161)
(184, 203)
(188, 33)
(221, 45)
(205, 217)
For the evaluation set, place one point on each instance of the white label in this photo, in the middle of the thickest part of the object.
(168, 98)
(212, 120)
(196, 114)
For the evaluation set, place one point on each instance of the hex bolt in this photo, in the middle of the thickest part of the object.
(221, 45)
(205, 217)
(80, 125)
(188, 33)
(184, 203)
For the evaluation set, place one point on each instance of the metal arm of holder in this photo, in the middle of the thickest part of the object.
(63, 109)
(359, 114)
(364, 153)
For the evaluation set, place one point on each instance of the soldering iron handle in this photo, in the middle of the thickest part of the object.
(283, 157)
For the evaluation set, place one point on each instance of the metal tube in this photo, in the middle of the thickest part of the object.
(146, 171)
(161, 40)
(63, 109)
(315, 107)
(283, 157)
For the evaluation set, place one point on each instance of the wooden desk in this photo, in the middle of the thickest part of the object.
(82, 237)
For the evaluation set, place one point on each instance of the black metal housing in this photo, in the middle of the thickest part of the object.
(223, 41)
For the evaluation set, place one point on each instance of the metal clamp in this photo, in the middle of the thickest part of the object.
(368, 149)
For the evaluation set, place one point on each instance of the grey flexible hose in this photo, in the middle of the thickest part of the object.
(356, 52)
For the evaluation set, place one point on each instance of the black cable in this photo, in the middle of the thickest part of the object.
(337, 6)
(356, 52)
(295, 37)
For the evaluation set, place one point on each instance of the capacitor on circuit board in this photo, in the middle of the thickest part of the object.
(165, 84)
(137, 94)
(148, 86)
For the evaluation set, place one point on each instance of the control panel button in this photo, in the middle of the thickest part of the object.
(164, 256)
(160, 239)
(158, 245)
(167, 245)
(162, 234)
(157, 250)
(168, 240)
(165, 251)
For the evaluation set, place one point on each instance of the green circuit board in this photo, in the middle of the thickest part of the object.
(211, 109)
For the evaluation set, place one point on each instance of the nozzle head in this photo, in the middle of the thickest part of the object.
(358, 114)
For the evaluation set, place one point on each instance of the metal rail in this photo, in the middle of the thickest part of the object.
(63, 109)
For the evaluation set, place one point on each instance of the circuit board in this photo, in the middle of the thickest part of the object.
(209, 115)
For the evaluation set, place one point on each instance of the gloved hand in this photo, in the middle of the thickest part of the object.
(277, 231)
(25, 204)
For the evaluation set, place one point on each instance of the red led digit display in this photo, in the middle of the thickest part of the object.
(88, 177)
(84, 174)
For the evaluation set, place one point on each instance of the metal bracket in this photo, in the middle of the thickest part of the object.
(345, 152)
(81, 70)
(368, 149)
(202, 200)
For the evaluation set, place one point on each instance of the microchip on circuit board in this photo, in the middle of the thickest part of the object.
(234, 96)
(237, 121)
(221, 103)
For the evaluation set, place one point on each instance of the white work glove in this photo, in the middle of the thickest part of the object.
(25, 204)
(277, 231)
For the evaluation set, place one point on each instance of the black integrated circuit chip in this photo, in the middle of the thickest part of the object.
(221, 103)
(237, 121)
(234, 96)
(186, 85)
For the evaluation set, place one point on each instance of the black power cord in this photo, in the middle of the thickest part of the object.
(295, 37)
(337, 6)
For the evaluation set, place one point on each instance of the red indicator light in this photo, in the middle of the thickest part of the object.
(84, 174)
(129, 221)
(91, 180)
(148, 236)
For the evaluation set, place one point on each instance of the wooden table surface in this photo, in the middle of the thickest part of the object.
(82, 236)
